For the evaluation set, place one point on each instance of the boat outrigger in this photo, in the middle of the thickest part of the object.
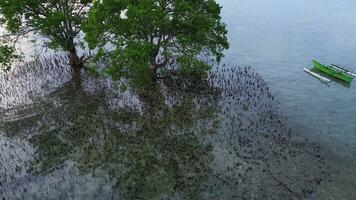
(338, 68)
(334, 71)
(323, 79)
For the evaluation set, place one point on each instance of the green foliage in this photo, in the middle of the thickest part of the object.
(147, 35)
(192, 68)
(92, 70)
(135, 55)
(57, 21)
(7, 56)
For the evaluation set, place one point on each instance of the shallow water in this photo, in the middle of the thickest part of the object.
(281, 37)
(181, 139)
(229, 140)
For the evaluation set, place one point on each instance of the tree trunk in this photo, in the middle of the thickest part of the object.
(153, 64)
(74, 61)
(154, 67)
(77, 65)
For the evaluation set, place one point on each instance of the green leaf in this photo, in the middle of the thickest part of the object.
(7, 56)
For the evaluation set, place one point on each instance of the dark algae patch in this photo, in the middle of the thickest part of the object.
(220, 137)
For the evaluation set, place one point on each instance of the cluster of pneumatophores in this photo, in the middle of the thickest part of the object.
(218, 137)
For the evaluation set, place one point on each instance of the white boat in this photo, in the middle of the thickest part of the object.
(323, 79)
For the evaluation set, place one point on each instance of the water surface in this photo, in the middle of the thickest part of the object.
(281, 37)
(227, 140)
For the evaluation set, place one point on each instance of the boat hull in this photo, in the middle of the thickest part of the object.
(332, 72)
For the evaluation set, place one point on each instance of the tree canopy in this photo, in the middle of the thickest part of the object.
(56, 21)
(141, 37)
(132, 38)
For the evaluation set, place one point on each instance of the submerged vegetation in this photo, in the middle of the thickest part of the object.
(220, 137)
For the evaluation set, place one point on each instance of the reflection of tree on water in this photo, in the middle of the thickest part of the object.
(180, 140)
(152, 153)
